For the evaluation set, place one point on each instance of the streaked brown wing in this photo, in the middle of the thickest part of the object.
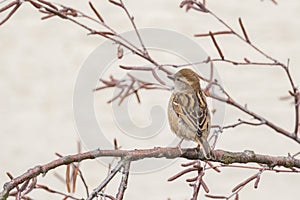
(204, 117)
(193, 115)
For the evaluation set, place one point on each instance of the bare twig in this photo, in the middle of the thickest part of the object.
(17, 4)
(215, 196)
(46, 188)
(216, 45)
(107, 196)
(213, 167)
(145, 51)
(229, 100)
(191, 169)
(78, 172)
(240, 122)
(244, 30)
(245, 63)
(211, 79)
(113, 172)
(68, 179)
(213, 33)
(276, 170)
(275, 62)
(198, 183)
(245, 182)
(124, 181)
(96, 12)
(296, 95)
(4, 8)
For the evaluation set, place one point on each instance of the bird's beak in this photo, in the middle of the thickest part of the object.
(171, 77)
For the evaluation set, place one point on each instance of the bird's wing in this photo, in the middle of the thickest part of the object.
(195, 115)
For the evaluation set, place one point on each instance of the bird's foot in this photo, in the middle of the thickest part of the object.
(178, 146)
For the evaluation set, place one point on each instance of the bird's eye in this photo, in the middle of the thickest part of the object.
(180, 80)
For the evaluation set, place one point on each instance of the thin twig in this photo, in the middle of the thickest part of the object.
(80, 173)
(276, 62)
(17, 5)
(4, 8)
(229, 100)
(296, 95)
(131, 19)
(216, 45)
(245, 182)
(46, 188)
(244, 30)
(107, 196)
(246, 63)
(113, 172)
(240, 122)
(191, 169)
(211, 79)
(257, 168)
(124, 181)
(214, 33)
(96, 12)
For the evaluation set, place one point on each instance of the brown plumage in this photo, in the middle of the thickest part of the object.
(188, 113)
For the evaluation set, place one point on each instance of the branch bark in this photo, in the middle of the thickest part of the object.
(221, 156)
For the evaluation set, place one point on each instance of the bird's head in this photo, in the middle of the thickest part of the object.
(185, 79)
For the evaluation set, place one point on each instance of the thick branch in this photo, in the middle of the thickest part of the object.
(221, 156)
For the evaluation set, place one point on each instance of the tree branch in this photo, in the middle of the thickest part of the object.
(124, 181)
(106, 180)
(221, 156)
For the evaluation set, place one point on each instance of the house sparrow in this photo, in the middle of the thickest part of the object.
(188, 113)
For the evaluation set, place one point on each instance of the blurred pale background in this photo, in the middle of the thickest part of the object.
(40, 61)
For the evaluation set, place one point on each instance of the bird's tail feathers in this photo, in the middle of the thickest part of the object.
(207, 152)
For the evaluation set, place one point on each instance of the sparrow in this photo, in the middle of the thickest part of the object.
(188, 113)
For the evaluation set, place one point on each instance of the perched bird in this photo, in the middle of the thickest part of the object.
(188, 113)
